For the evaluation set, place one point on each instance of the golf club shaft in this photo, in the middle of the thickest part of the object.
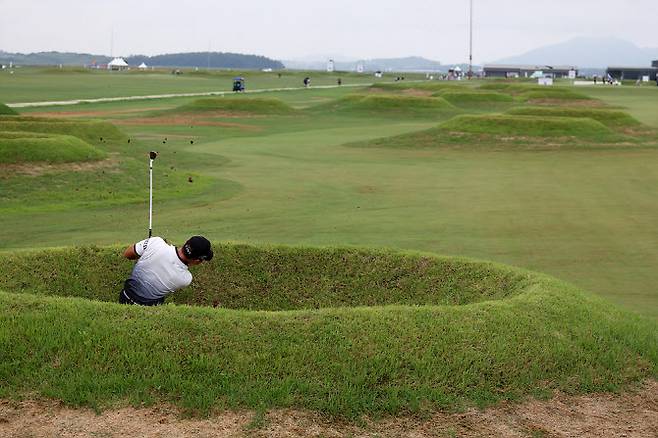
(150, 197)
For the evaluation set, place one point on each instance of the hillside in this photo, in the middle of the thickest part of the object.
(587, 52)
(197, 59)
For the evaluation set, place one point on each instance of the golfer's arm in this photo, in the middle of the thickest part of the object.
(130, 253)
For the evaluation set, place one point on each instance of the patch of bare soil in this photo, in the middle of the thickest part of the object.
(97, 113)
(631, 415)
(42, 168)
(182, 120)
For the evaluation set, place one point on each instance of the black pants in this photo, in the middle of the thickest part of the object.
(127, 296)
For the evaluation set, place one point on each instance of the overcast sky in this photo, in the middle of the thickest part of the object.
(286, 29)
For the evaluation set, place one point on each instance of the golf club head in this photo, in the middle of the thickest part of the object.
(153, 155)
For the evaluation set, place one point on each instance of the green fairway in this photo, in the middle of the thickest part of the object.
(586, 216)
(38, 84)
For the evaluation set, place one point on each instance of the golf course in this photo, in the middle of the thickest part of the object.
(383, 249)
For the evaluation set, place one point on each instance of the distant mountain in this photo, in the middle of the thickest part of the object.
(198, 59)
(408, 64)
(588, 52)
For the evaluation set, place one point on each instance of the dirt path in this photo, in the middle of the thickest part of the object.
(634, 414)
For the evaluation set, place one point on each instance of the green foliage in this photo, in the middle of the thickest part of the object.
(258, 105)
(19, 147)
(90, 131)
(343, 361)
(389, 104)
(610, 118)
(5, 110)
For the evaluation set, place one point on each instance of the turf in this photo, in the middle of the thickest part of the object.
(43, 84)
(21, 147)
(5, 110)
(539, 335)
(533, 126)
(238, 104)
(610, 118)
(475, 99)
(388, 105)
(90, 131)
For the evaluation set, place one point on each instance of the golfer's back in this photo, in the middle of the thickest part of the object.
(159, 271)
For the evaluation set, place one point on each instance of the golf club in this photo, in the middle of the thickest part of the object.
(152, 156)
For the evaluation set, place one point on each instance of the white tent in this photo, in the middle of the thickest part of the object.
(143, 66)
(117, 64)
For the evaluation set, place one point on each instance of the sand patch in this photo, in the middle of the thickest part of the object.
(632, 414)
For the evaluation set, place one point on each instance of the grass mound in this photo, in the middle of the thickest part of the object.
(552, 94)
(20, 147)
(259, 105)
(89, 131)
(389, 104)
(424, 86)
(472, 98)
(5, 110)
(529, 126)
(610, 118)
(526, 92)
(522, 334)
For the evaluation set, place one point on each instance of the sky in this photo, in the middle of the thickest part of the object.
(294, 29)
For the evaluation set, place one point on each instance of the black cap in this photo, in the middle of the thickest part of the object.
(198, 248)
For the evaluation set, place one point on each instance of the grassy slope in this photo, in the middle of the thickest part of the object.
(20, 147)
(91, 131)
(388, 104)
(245, 104)
(341, 361)
(5, 110)
(534, 126)
(610, 118)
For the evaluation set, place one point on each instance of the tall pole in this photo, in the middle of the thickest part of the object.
(470, 44)
(152, 156)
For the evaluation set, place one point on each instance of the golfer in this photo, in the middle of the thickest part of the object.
(161, 269)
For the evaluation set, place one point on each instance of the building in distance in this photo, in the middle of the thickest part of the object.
(527, 71)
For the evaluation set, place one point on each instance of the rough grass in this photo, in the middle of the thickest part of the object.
(472, 98)
(526, 92)
(5, 110)
(532, 126)
(89, 131)
(274, 278)
(610, 118)
(552, 94)
(388, 104)
(509, 131)
(341, 361)
(425, 85)
(269, 106)
(20, 147)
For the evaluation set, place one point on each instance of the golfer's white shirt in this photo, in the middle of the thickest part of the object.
(159, 271)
